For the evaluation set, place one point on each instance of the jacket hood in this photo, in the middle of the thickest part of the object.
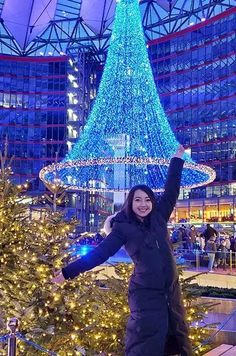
(117, 217)
(120, 217)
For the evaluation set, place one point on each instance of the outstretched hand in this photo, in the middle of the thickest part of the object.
(179, 152)
(59, 278)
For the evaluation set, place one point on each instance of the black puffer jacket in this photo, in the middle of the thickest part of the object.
(154, 292)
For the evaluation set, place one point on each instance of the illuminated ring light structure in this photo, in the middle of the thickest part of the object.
(127, 139)
(52, 172)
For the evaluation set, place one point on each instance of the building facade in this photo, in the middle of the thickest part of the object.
(33, 110)
(43, 105)
(195, 72)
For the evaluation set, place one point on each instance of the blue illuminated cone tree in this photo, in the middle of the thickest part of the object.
(127, 139)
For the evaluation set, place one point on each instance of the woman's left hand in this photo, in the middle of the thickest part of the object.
(58, 279)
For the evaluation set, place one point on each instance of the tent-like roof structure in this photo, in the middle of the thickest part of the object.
(52, 27)
(127, 139)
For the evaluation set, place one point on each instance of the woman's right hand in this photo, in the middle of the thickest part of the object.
(179, 152)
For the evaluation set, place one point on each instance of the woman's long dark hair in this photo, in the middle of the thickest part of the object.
(127, 206)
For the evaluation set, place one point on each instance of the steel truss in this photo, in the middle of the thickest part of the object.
(68, 30)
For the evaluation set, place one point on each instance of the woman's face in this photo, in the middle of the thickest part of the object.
(141, 205)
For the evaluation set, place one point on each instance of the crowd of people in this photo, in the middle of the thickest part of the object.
(93, 239)
(216, 244)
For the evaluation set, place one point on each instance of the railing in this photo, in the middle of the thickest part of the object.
(13, 335)
(198, 259)
(193, 258)
(211, 338)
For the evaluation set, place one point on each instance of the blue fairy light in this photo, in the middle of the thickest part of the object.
(127, 133)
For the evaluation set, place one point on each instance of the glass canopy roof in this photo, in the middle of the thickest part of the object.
(53, 27)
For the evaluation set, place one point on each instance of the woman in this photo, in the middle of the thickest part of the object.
(156, 309)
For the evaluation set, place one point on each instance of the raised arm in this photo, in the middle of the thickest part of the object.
(167, 201)
(100, 254)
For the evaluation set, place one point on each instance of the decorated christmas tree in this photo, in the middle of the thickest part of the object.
(30, 248)
(84, 316)
(196, 312)
(33, 243)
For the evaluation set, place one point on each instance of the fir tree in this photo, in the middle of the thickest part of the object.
(89, 312)
(30, 249)
(196, 312)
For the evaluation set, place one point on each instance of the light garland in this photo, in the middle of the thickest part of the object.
(127, 139)
(136, 161)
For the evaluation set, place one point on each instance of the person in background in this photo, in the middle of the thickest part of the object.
(201, 241)
(193, 236)
(221, 254)
(211, 252)
(176, 235)
(227, 242)
(209, 232)
(185, 237)
(232, 244)
(156, 326)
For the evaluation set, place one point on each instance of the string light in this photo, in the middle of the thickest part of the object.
(127, 124)
(192, 171)
(79, 308)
